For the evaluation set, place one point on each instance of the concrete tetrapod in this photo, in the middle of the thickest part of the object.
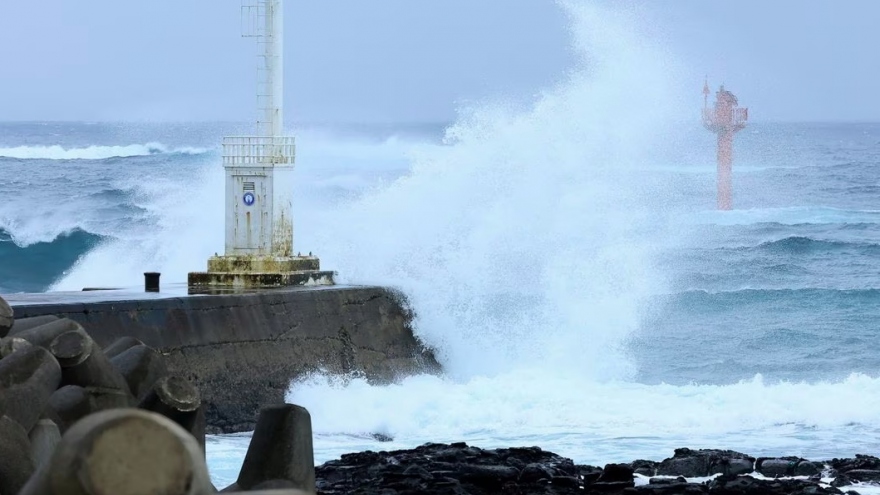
(83, 363)
(280, 451)
(123, 452)
(178, 400)
(6, 317)
(43, 335)
(121, 345)
(28, 377)
(71, 403)
(141, 366)
(10, 344)
(16, 461)
(23, 324)
(44, 437)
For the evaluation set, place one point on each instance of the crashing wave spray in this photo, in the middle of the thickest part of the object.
(521, 242)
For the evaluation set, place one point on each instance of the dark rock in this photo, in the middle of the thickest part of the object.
(644, 467)
(807, 468)
(565, 481)
(534, 472)
(673, 487)
(724, 485)
(418, 471)
(489, 477)
(382, 437)
(694, 463)
(859, 462)
(863, 474)
(667, 481)
(590, 474)
(842, 480)
(454, 468)
(615, 473)
(778, 466)
(610, 486)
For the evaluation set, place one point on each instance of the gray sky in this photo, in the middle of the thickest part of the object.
(413, 60)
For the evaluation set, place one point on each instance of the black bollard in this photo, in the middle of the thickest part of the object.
(142, 367)
(6, 317)
(151, 281)
(23, 324)
(280, 449)
(16, 461)
(28, 377)
(100, 455)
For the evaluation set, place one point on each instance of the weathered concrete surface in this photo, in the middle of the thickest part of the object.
(243, 350)
(6, 317)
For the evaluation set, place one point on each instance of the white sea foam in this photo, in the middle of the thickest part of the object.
(93, 152)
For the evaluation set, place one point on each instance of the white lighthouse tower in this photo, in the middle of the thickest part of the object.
(259, 224)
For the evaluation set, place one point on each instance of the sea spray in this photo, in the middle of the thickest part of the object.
(525, 241)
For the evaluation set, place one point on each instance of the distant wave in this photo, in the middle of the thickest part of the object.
(800, 245)
(820, 297)
(33, 268)
(788, 216)
(94, 152)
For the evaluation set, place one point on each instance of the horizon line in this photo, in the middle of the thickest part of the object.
(387, 123)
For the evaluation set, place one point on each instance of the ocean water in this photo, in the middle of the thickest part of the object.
(564, 258)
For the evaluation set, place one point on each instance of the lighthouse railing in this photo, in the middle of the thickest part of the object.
(259, 151)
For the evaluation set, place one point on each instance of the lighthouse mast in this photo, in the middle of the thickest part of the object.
(259, 227)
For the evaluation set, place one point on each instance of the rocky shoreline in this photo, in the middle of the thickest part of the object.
(461, 469)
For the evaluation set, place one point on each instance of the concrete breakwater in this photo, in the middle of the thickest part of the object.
(242, 350)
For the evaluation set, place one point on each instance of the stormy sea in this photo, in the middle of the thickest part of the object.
(564, 256)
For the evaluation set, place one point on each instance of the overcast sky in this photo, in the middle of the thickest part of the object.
(413, 60)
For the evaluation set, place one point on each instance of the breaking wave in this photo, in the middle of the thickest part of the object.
(94, 152)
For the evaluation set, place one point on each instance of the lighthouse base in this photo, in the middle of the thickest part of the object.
(260, 272)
